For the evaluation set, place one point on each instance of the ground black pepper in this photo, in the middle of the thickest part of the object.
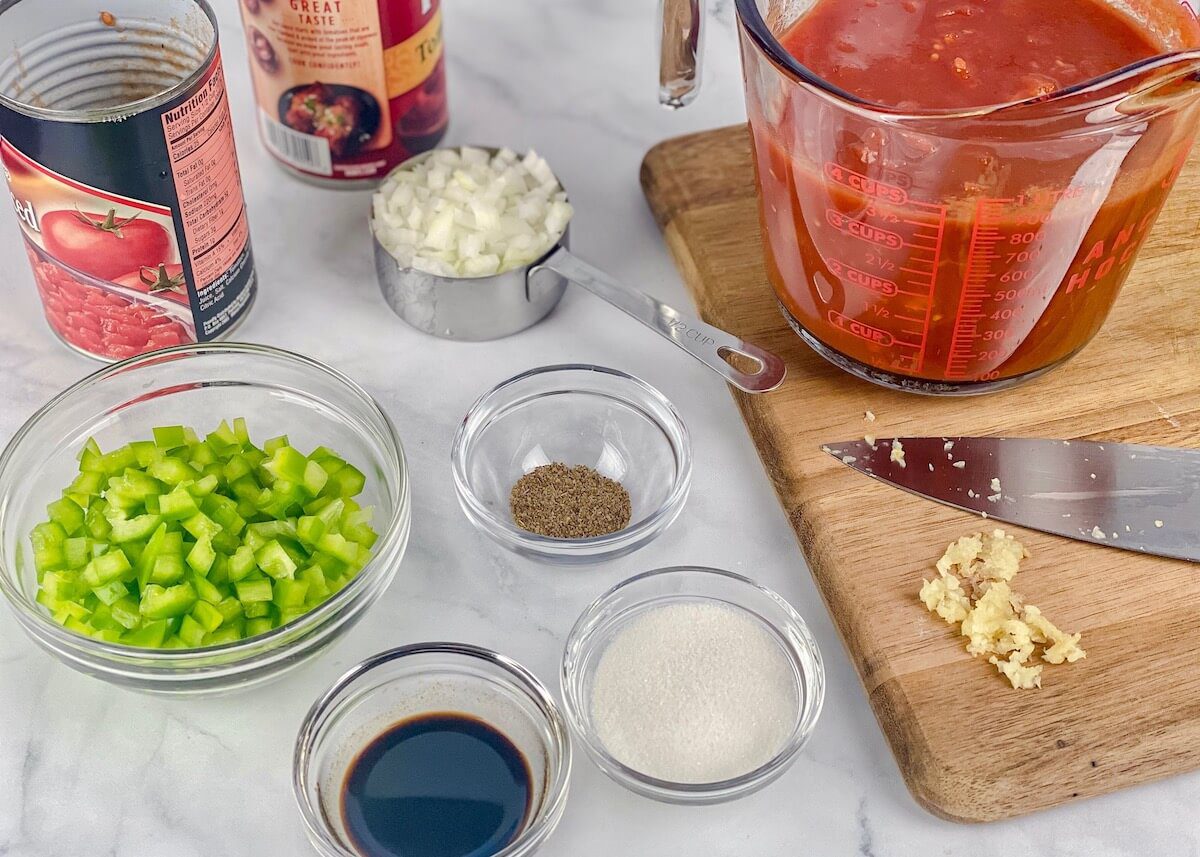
(564, 502)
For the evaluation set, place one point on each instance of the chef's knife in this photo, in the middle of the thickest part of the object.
(1140, 498)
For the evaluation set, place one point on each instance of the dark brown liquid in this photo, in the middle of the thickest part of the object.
(437, 785)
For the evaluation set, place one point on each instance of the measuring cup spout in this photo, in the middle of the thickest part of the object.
(1178, 71)
(1154, 83)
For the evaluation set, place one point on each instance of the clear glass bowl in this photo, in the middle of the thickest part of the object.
(278, 393)
(575, 414)
(600, 623)
(413, 680)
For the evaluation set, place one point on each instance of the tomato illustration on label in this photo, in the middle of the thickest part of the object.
(165, 281)
(104, 245)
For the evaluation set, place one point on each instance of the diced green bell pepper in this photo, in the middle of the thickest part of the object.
(106, 568)
(309, 530)
(201, 557)
(145, 452)
(170, 437)
(274, 560)
(240, 431)
(172, 470)
(230, 608)
(139, 528)
(206, 590)
(191, 632)
(275, 444)
(241, 563)
(150, 636)
(177, 505)
(222, 636)
(254, 627)
(89, 483)
(201, 526)
(112, 592)
(125, 611)
(160, 603)
(251, 591)
(286, 463)
(204, 486)
(339, 547)
(207, 615)
(289, 593)
(167, 569)
(67, 514)
(256, 609)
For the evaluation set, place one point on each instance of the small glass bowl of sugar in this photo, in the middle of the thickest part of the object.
(692, 685)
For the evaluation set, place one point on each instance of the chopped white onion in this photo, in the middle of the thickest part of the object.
(467, 213)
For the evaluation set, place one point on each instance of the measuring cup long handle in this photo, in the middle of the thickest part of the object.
(710, 345)
(680, 51)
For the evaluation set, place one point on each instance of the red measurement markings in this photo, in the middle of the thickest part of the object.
(861, 229)
(977, 283)
(850, 274)
(866, 184)
(860, 329)
(901, 248)
(919, 271)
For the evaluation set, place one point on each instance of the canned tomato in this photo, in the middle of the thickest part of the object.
(116, 142)
(347, 89)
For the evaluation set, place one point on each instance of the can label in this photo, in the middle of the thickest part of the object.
(347, 89)
(136, 229)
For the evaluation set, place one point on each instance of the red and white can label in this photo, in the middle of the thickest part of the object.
(122, 272)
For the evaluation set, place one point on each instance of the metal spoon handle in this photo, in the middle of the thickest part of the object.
(710, 345)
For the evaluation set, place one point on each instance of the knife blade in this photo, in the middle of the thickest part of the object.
(1129, 496)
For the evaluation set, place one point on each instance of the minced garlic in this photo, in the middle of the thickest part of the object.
(944, 595)
(997, 623)
(898, 453)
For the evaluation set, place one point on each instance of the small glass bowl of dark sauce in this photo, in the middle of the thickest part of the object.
(436, 749)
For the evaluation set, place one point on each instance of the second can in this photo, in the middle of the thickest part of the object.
(347, 89)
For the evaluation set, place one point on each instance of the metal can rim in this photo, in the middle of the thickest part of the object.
(109, 114)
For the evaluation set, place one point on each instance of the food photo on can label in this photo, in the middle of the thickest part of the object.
(464, 564)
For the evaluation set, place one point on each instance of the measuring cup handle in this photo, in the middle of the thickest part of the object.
(710, 345)
(680, 51)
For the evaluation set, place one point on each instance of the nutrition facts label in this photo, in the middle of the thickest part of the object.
(200, 144)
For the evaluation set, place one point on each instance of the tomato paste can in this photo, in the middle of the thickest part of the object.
(116, 142)
(347, 89)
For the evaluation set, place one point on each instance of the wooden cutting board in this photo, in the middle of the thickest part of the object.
(970, 747)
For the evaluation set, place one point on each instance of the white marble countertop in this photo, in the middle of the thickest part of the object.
(89, 770)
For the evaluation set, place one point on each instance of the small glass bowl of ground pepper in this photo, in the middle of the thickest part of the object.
(572, 464)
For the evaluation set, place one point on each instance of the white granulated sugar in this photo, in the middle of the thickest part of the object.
(694, 692)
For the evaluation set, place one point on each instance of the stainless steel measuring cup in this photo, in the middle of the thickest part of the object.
(483, 308)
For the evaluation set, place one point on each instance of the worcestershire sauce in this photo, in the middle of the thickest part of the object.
(437, 785)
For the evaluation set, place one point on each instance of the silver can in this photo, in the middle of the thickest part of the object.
(117, 144)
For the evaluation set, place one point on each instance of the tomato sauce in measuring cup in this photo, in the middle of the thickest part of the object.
(964, 251)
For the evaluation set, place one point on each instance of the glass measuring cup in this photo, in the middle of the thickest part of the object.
(952, 251)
